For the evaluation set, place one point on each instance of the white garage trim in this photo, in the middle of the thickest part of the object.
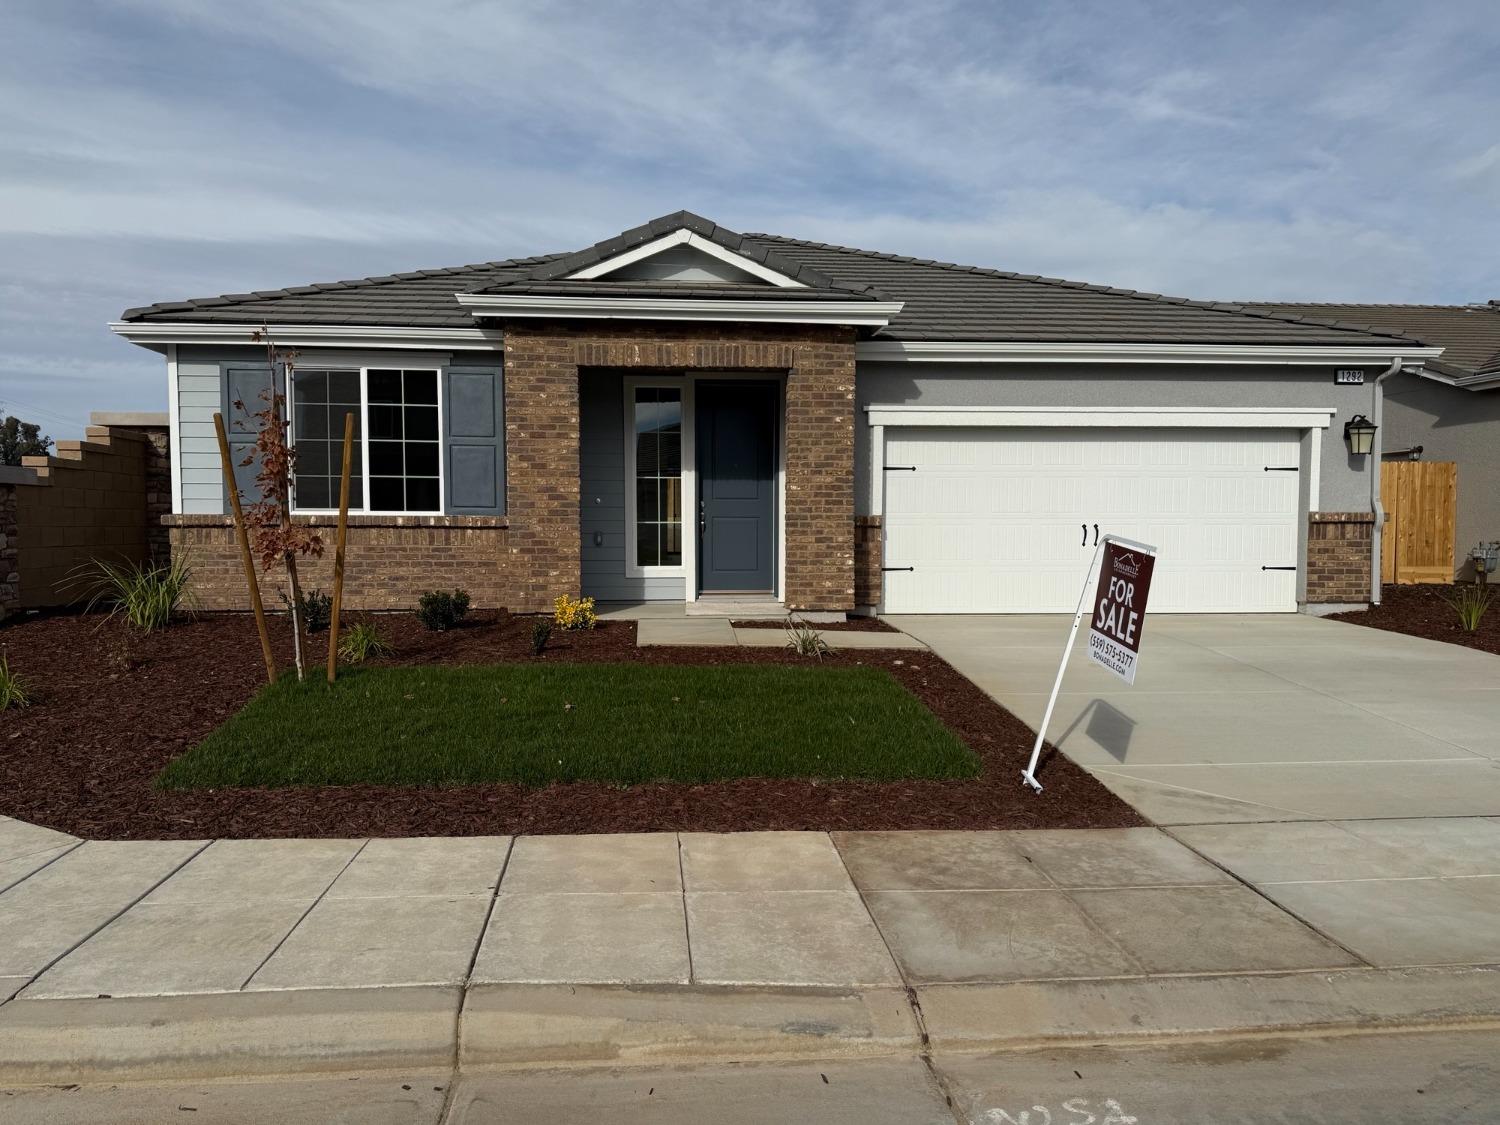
(1154, 417)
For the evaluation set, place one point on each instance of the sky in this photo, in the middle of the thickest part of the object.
(164, 149)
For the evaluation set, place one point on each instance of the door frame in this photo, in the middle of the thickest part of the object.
(687, 382)
(1308, 421)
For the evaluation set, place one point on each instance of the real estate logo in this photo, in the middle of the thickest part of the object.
(1120, 609)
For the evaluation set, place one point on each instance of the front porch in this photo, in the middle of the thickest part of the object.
(709, 465)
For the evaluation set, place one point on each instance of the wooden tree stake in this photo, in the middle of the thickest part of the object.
(243, 535)
(338, 553)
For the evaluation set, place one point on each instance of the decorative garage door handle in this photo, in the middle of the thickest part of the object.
(1085, 527)
(1096, 535)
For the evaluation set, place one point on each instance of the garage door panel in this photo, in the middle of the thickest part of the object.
(991, 520)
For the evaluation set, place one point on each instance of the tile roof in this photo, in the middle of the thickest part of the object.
(943, 301)
(1468, 334)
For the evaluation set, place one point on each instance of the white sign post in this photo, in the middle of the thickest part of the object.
(1115, 626)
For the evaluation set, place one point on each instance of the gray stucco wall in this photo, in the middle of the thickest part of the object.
(200, 392)
(1345, 481)
(1452, 424)
(602, 496)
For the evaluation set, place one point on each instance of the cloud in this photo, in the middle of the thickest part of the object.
(168, 148)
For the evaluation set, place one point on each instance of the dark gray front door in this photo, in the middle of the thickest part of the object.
(736, 442)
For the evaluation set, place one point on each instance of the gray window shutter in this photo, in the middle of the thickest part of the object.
(474, 440)
(244, 384)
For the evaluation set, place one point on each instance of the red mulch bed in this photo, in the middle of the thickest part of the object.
(849, 625)
(111, 710)
(1423, 611)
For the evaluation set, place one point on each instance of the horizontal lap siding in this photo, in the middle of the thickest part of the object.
(200, 394)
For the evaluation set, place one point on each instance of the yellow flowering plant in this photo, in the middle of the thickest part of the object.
(574, 613)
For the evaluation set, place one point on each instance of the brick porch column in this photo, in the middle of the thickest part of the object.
(541, 466)
(820, 475)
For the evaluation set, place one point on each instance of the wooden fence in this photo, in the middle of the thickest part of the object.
(1421, 502)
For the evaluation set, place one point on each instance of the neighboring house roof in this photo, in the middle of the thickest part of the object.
(942, 300)
(1468, 334)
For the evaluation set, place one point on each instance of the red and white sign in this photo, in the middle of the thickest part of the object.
(1120, 608)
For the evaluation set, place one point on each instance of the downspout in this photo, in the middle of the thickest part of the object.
(1377, 415)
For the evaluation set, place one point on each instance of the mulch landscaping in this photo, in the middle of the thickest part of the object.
(112, 708)
(1423, 611)
(848, 625)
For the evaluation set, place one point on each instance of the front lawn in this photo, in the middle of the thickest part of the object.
(537, 724)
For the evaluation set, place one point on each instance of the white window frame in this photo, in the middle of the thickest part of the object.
(364, 435)
(689, 486)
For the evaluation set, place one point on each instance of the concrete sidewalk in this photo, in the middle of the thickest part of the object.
(238, 957)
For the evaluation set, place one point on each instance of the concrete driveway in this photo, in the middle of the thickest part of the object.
(1254, 718)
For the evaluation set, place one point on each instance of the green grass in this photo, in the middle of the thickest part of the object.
(535, 724)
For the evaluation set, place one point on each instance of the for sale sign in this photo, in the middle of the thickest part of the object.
(1120, 607)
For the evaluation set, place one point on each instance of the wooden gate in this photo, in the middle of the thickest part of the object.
(1421, 501)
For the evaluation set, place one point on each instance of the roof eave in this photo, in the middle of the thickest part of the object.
(961, 351)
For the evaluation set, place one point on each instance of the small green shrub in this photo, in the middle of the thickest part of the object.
(804, 640)
(362, 642)
(1470, 602)
(145, 596)
(317, 609)
(13, 692)
(440, 609)
(541, 632)
(574, 613)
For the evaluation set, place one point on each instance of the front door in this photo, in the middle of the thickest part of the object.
(736, 442)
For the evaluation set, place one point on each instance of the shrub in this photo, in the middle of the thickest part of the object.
(439, 609)
(361, 642)
(317, 610)
(804, 640)
(13, 692)
(146, 596)
(541, 632)
(574, 613)
(1470, 603)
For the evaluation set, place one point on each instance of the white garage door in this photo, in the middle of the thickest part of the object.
(993, 520)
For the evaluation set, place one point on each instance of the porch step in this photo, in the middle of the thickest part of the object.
(755, 609)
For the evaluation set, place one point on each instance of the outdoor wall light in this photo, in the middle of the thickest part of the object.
(1359, 432)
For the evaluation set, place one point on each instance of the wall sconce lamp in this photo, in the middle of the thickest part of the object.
(1359, 432)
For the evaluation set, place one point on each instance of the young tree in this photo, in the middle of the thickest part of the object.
(269, 519)
(21, 439)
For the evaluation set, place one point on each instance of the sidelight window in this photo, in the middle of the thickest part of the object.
(657, 459)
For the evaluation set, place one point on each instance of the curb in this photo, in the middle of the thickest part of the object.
(514, 1026)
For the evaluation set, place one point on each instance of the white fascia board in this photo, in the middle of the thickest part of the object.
(681, 237)
(1129, 417)
(1467, 382)
(374, 337)
(960, 351)
(873, 314)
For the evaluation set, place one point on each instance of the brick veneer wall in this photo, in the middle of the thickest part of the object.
(867, 557)
(541, 429)
(1338, 556)
(390, 561)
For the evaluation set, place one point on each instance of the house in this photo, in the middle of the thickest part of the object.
(1448, 410)
(685, 414)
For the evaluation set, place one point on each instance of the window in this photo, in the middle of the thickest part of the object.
(657, 436)
(397, 431)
